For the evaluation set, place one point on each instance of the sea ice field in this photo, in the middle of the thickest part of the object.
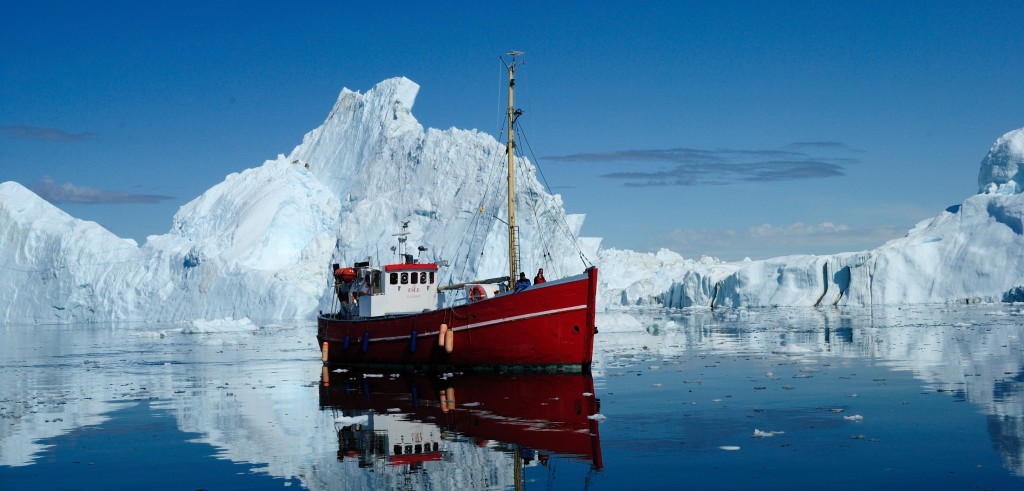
(775, 398)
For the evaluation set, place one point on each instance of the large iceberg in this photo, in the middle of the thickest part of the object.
(258, 245)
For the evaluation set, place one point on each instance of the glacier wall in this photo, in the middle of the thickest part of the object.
(972, 252)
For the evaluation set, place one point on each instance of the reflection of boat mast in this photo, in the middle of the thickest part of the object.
(517, 472)
(513, 113)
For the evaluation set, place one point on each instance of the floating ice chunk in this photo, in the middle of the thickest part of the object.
(148, 334)
(793, 350)
(855, 418)
(765, 434)
(218, 341)
(227, 324)
(597, 417)
(731, 448)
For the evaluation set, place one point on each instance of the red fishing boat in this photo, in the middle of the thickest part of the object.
(395, 315)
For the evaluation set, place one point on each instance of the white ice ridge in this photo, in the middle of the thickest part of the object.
(971, 252)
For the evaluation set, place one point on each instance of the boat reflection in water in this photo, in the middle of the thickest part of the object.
(409, 419)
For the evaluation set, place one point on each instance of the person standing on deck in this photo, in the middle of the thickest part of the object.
(343, 287)
(523, 282)
(540, 277)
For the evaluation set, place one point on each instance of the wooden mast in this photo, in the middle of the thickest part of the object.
(513, 261)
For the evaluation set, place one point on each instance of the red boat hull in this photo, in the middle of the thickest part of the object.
(544, 412)
(545, 326)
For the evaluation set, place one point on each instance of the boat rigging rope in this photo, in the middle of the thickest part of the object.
(481, 223)
(547, 239)
(480, 220)
(563, 223)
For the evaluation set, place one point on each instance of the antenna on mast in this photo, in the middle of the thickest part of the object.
(402, 237)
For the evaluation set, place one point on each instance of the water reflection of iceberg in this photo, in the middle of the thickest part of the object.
(972, 352)
(408, 419)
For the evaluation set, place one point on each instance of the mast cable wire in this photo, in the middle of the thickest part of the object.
(566, 229)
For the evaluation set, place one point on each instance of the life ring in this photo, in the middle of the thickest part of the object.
(477, 294)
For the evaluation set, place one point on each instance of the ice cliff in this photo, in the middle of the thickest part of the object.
(258, 244)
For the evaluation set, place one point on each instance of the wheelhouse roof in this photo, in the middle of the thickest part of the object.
(409, 267)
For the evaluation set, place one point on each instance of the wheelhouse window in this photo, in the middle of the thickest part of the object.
(431, 277)
(423, 278)
(405, 278)
(376, 282)
(415, 278)
(393, 278)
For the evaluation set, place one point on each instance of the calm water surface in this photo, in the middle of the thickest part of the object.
(737, 399)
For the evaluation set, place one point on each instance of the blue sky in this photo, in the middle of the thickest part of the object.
(730, 129)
